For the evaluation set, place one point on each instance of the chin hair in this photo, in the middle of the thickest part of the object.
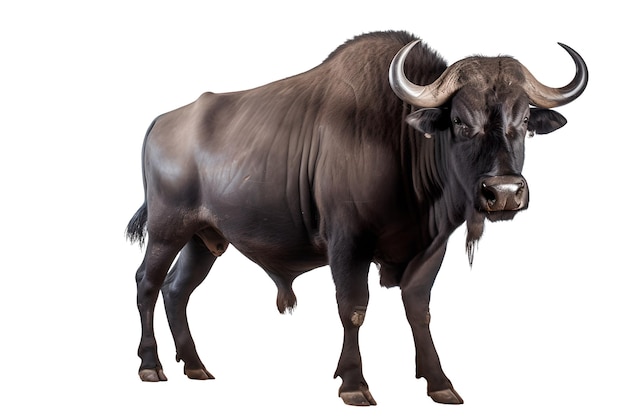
(475, 226)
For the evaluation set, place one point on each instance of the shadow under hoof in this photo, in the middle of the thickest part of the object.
(446, 396)
(358, 398)
(201, 374)
(152, 375)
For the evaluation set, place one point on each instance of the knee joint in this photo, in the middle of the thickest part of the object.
(358, 316)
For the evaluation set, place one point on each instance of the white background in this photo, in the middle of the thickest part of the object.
(535, 328)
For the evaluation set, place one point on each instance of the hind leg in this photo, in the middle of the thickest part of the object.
(150, 277)
(191, 268)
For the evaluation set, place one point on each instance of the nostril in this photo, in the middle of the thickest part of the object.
(489, 194)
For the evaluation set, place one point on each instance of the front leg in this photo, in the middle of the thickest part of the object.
(350, 265)
(416, 285)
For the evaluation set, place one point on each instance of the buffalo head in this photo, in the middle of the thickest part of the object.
(485, 107)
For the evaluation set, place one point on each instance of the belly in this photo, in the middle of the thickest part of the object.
(272, 232)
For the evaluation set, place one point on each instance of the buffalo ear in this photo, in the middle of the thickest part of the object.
(544, 121)
(428, 121)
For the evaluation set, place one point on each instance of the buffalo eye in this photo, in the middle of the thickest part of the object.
(525, 121)
(464, 129)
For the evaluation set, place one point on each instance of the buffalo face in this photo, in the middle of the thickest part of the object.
(485, 107)
(487, 128)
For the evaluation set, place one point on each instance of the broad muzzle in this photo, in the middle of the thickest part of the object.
(504, 193)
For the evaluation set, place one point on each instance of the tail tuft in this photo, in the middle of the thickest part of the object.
(136, 229)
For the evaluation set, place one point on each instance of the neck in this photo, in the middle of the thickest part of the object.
(434, 191)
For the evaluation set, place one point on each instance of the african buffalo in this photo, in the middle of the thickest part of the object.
(376, 155)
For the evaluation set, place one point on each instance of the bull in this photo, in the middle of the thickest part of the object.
(375, 156)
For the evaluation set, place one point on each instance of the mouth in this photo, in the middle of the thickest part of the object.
(497, 216)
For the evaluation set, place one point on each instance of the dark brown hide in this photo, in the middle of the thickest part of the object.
(322, 168)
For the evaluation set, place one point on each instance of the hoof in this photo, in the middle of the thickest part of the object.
(152, 375)
(360, 398)
(201, 374)
(446, 396)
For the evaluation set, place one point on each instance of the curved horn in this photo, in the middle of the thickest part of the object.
(548, 97)
(432, 95)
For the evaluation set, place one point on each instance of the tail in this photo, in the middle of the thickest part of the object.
(136, 229)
